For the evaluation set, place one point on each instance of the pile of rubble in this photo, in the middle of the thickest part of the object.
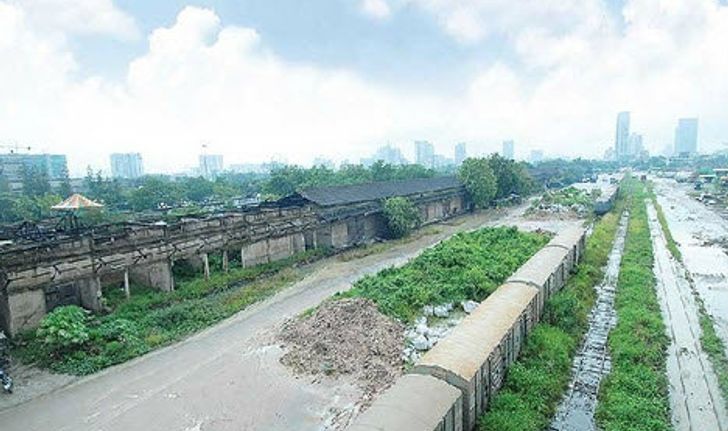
(346, 337)
(434, 325)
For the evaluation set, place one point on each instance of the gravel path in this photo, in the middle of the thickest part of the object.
(694, 395)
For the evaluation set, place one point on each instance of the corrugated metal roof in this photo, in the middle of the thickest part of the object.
(341, 195)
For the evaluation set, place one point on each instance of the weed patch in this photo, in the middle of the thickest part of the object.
(634, 396)
(467, 266)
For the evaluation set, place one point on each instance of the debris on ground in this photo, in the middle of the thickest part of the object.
(346, 337)
(564, 204)
(435, 324)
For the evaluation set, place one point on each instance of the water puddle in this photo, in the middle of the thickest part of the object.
(592, 362)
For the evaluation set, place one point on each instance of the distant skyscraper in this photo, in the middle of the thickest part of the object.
(686, 136)
(508, 150)
(536, 156)
(635, 145)
(210, 165)
(460, 153)
(12, 167)
(425, 154)
(126, 165)
(388, 154)
(621, 141)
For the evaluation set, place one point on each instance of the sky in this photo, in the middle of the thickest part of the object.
(294, 80)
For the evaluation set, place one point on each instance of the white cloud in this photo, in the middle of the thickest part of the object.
(378, 9)
(79, 17)
(202, 81)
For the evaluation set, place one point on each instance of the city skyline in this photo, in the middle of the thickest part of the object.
(270, 87)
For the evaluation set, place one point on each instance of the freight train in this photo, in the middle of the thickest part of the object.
(452, 384)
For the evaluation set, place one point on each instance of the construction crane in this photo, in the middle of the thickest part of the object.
(15, 148)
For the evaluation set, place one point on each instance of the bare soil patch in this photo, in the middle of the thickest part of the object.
(346, 337)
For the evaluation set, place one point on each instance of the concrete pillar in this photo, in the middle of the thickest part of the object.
(4, 306)
(225, 261)
(242, 257)
(26, 309)
(157, 275)
(206, 265)
(90, 291)
(127, 292)
(310, 240)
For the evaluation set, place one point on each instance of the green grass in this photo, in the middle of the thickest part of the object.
(634, 396)
(467, 266)
(150, 318)
(671, 244)
(535, 384)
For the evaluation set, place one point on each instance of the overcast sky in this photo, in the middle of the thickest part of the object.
(293, 79)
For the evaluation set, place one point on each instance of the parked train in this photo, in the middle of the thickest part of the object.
(452, 384)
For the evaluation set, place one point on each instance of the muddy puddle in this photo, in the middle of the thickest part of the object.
(702, 237)
(592, 362)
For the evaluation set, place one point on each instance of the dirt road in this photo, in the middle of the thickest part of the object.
(699, 233)
(695, 400)
(227, 377)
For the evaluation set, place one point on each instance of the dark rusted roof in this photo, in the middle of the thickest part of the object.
(341, 195)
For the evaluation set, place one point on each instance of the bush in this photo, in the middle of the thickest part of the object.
(467, 266)
(402, 216)
(63, 329)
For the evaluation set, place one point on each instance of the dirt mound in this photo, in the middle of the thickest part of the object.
(346, 337)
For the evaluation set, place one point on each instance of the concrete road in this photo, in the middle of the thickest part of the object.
(695, 399)
(227, 377)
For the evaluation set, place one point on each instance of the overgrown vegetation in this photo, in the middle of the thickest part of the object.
(467, 266)
(402, 216)
(72, 341)
(634, 396)
(536, 382)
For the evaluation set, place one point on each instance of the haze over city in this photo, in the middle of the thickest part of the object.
(256, 80)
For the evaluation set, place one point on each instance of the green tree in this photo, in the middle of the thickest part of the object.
(35, 181)
(402, 216)
(154, 192)
(479, 181)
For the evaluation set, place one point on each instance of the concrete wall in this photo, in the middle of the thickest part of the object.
(28, 309)
(339, 235)
(255, 254)
(157, 275)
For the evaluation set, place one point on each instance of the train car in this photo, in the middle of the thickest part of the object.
(414, 403)
(477, 352)
(572, 240)
(545, 270)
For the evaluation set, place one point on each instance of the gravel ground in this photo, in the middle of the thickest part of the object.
(346, 337)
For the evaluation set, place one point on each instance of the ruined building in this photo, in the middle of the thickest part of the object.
(62, 269)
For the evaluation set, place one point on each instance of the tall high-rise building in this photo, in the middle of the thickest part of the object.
(536, 156)
(635, 145)
(13, 166)
(210, 165)
(126, 165)
(425, 154)
(508, 150)
(621, 140)
(388, 154)
(686, 136)
(460, 153)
